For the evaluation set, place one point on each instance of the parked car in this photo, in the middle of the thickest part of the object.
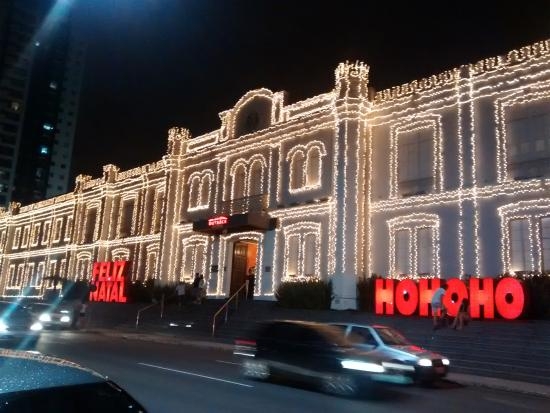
(31, 382)
(54, 315)
(18, 326)
(314, 353)
(387, 342)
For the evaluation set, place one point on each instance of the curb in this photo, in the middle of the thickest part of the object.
(532, 389)
(493, 383)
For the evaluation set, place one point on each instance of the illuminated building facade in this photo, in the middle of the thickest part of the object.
(440, 177)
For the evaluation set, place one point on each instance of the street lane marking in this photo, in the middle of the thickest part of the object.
(195, 374)
(228, 362)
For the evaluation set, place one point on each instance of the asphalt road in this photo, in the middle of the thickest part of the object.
(168, 378)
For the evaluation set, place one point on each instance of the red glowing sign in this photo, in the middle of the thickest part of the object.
(108, 279)
(410, 297)
(217, 221)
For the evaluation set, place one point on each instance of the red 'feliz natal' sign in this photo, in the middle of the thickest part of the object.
(108, 279)
(411, 297)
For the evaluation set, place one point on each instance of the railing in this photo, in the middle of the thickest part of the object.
(225, 306)
(253, 203)
(161, 303)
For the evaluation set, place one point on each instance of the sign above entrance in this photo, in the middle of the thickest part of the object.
(217, 221)
(224, 224)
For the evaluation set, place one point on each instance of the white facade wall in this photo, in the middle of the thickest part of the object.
(425, 179)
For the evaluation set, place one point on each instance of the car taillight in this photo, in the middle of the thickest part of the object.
(244, 342)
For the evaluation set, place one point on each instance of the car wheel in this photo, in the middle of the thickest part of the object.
(256, 369)
(340, 385)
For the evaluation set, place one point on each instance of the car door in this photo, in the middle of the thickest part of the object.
(362, 338)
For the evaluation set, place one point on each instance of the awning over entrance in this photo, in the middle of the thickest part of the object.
(227, 224)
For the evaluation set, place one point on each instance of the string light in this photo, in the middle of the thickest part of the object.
(330, 167)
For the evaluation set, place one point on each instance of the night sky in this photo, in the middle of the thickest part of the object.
(153, 64)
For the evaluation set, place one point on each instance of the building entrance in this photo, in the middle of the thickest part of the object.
(244, 258)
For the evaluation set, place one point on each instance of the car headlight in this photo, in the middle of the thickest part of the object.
(65, 319)
(3, 326)
(36, 326)
(362, 366)
(45, 317)
(425, 362)
(445, 362)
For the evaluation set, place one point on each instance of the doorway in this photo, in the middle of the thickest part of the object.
(244, 258)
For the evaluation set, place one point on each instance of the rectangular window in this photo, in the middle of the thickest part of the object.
(415, 161)
(545, 229)
(46, 233)
(402, 252)
(292, 253)
(26, 233)
(519, 240)
(57, 229)
(425, 251)
(35, 236)
(69, 229)
(12, 279)
(126, 220)
(528, 141)
(17, 238)
(91, 221)
(309, 254)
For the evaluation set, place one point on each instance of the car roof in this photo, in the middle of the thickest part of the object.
(24, 371)
(360, 325)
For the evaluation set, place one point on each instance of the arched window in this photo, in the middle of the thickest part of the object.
(297, 170)
(256, 178)
(205, 190)
(313, 168)
(239, 179)
(194, 192)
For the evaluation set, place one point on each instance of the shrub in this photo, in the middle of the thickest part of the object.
(365, 293)
(537, 295)
(307, 294)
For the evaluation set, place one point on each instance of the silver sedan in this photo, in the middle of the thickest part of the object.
(387, 342)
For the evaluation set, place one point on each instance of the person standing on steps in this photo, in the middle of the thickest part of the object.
(202, 289)
(438, 309)
(195, 288)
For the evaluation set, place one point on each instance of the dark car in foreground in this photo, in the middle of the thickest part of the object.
(314, 353)
(389, 343)
(31, 382)
(18, 326)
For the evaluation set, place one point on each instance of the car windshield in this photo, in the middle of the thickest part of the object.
(391, 337)
(103, 397)
(12, 310)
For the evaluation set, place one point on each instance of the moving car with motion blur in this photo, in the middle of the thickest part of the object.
(18, 328)
(31, 382)
(314, 353)
(387, 342)
(54, 315)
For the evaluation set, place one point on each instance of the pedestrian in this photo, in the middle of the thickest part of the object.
(438, 309)
(195, 289)
(180, 292)
(463, 316)
(202, 290)
(250, 279)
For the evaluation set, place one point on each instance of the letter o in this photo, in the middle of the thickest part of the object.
(509, 287)
(406, 306)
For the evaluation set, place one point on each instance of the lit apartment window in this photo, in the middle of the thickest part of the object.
(47, 126)
(53, 85)
(44, 150)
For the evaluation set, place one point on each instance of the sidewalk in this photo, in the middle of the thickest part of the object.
(463, 379)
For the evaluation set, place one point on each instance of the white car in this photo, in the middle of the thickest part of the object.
(54, 315)
(387, 342)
